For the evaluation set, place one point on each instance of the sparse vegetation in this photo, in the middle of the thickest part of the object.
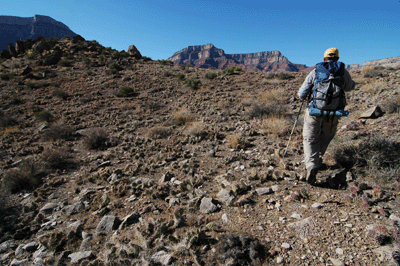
(58, 158)
(96, 139)
(180, 76)
(58, 131)
(182, 117)
(28, 175)
(44, 115)
(60, 93)
(211, 75)
(193, 83)
(127, 91)
(159, 132)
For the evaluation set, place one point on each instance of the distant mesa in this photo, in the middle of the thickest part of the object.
(208, 56)
(14, 29)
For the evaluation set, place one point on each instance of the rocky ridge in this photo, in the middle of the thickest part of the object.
(21, 28)
(109, 158)
(208, 56)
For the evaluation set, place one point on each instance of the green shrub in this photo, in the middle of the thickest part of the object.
(166, 62)
(44, 115)
(126, 91)
(283, 75)
(87, 61)
(180, 76)
(229, 70)
(114, 66)
(60, 93)
(64, 63)
(210, 75)
(6, 76)
(193, 83)
(36, 85)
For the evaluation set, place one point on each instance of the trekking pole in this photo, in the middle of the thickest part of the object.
(297, 118)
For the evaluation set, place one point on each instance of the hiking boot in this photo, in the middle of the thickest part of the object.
(311, 176)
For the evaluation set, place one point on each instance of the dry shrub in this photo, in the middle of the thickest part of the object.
(392, 105)
(276, 125)
(60, 158)
(58, 131)
(378, 154)
(28, 175)
(236, 141)
(96, 139)
(159, 132)
(259, 110)
(374, 87)
(196, 129)
(182, 117)
(274, 96)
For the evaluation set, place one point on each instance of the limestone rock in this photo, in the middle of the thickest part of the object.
(373, 112)
(207, 206)
(133, 51)
(108, 224)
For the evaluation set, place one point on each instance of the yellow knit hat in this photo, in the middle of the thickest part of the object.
(331, 52)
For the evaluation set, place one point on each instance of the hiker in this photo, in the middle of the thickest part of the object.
(323, 109)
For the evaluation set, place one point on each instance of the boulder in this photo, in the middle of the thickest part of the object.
(108, 224)
(373, 112)
(133, 51)
(19, 47)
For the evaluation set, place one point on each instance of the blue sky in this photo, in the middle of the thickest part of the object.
(300, 30)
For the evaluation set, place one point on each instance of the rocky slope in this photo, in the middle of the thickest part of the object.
(107, 159)
(208, 56)
(20, 28)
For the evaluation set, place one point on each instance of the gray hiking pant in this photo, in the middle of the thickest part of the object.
(317, 134)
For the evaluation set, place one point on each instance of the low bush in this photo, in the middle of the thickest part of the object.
(96, 139)
(166, 62)
(60, 158)
(376, 153)
(182, 117)
(28, 175)
(259, 110)
(44, 115)
(392, 105)
(64, 63)
(193, 83)
(159, 132)
(6, 76)
(59, 93)
(210, 75)
(274, 96)
(180, 76)
(126, 91)
(36, 85)
(56, 132)
(236, 141)
(231, 70)
(275, 125)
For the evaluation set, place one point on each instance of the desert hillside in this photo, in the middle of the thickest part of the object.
(110, 158)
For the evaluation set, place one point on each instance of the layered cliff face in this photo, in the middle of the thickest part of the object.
(206, 56)
(17, 28)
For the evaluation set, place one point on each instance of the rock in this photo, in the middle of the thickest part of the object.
(304, 227)
(16, 262)
(77, 38)
(86, 245)
(74, 208)
(129, 220)
(226, 196)
(5, 246)
(394, 218)
(107, 224)
(81, 255)
(264, 191)
(225, 218)
(31, 247)
(162, 257)
(26, 71)
(280, 260)
(166, 177)
(19, 47)
(207, 206)
(12, 50)
(276, 188)
(133, 51)
(49, 208)
(339, 251)
(5, 54)
(317, 205)
(373, 112)
(337, 262)
(52, 59)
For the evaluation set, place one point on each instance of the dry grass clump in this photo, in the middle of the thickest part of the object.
(27, 175)
(275, 96)
(159, 132)
(373, 71)
(182, 117)
(378, 154)
(196, 129)
(236, 141)
(276, 125)
(58, 131)
(259, 110)
(60, 158)
(374, 88)
(392, 105)
(96, 139)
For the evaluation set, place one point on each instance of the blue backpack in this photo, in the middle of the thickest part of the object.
(328, 95)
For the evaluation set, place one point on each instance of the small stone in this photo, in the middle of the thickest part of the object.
(296, 216)
(280, 260)
(286, 246)
(337, 262)
(317, 205)
(225, 218)
(339, 251)
(276, 188)
(264, 191)
(207, 206)
(79, 256)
